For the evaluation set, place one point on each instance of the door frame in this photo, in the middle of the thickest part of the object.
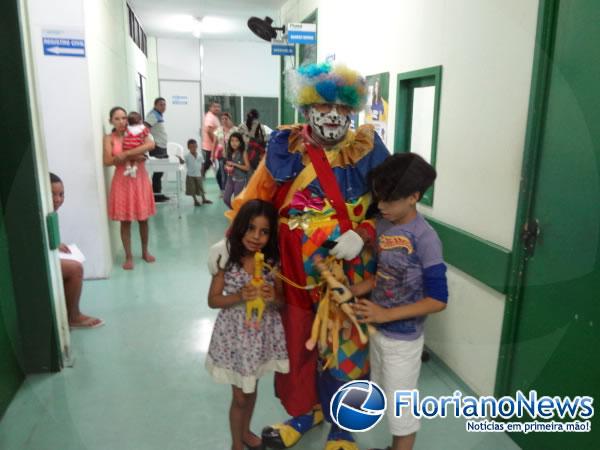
(538, 101)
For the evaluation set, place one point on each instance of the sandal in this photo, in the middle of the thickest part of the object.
(90, 322)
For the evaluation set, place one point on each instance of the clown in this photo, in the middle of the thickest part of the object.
(316, 175)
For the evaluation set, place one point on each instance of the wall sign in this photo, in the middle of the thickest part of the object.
(302, 33)
(63, 43)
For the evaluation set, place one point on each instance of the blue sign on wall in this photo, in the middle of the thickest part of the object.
(61, 46)
(302, 33)
(282, 49)
(302, 37)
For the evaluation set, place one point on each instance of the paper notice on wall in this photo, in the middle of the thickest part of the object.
(75, 254)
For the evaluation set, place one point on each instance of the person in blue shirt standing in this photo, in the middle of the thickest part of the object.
(410, 283)
(156, 122)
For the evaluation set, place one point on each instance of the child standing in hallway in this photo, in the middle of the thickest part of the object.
(193, 180)
(239, 354)
(236, 167)
(410, 283)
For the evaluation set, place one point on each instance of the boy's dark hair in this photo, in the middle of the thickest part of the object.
(250, 210)
(240, 137)
(134, 118)
(191, 141)
(400, 176)
(159, 99)
(54, 178)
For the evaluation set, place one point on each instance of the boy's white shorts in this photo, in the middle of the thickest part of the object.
(396, 365)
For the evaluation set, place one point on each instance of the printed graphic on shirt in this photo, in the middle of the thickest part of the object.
(393, 242)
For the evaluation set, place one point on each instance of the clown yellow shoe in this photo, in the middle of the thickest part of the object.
(339, 439)
(285, 435)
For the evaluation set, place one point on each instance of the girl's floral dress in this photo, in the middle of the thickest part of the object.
(240, 354)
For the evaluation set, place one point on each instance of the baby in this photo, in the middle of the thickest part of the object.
(134, 137)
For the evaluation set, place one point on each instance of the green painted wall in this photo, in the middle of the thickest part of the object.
(11, 374)
(23, 225)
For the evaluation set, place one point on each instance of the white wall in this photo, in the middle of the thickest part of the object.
(63, 96)
(241, 68)
(152, 90)
(222, 67)
(486, 50)
(74, 96)
(178, 59)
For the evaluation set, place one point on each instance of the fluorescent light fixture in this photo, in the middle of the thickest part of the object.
(212, 24)
(184, 23)
(197, 29)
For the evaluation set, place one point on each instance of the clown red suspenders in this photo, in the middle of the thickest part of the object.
(329, 184)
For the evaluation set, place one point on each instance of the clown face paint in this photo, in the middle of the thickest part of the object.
(329, 126)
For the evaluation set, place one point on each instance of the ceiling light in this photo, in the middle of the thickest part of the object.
(184, 23)
(212, 24)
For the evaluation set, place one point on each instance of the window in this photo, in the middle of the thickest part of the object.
(229, 103)
(136, 32)
(267, 107)
(417, 116)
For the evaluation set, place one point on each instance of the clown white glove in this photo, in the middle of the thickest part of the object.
(348, 246)
(218, 255)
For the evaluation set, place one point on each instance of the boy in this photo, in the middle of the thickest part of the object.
(193, 180)
(410, 283)
(72, 270)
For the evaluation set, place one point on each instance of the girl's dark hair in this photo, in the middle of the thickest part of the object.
(252, 114)
(114, 110)
(250, 210)
(240, 137)
(400, 176)
(54, 178)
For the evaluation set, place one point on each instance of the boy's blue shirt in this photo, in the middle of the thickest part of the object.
(410, 267)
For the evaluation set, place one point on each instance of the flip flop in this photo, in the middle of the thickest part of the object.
(92, 322)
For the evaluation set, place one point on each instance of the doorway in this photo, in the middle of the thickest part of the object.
(551, 333)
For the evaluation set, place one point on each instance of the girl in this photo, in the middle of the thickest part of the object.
(130, 198)
(255, 138)
(223, 133)
(237, 167)
(239, 354)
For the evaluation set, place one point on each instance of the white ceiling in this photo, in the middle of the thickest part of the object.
(171, 18)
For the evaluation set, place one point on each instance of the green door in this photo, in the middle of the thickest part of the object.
(558, 325)
(11, 374)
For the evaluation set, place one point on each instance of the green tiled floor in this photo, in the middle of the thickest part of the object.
(139, 381)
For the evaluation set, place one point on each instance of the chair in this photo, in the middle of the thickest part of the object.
(174, 150)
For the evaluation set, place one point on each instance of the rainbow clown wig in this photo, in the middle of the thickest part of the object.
(326, 83)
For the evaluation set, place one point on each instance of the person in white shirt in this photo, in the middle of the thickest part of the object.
(193, 181)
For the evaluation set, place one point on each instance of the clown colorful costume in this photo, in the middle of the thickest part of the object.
(307, 220)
